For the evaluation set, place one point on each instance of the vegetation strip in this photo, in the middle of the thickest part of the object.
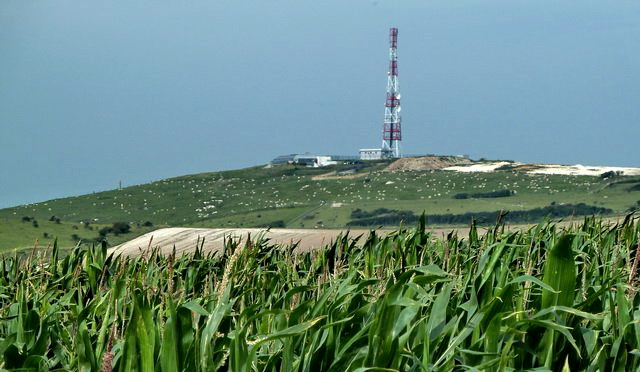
(383, 216)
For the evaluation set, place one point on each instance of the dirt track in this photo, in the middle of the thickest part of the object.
(185, 239)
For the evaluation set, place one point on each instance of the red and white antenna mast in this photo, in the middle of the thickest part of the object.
(391, 131)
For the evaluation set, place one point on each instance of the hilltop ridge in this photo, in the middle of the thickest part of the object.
(293, 196)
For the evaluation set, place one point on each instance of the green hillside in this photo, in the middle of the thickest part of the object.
(288, 196)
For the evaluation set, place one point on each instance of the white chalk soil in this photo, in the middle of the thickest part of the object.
(185, 240)
(569, 170)
(582, 170)
(479, 167)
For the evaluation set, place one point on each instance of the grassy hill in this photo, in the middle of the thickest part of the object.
(291, 196)
(24, 235)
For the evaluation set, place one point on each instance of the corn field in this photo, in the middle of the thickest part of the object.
(547, 297)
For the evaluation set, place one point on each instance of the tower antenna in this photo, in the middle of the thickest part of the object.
(391, 131)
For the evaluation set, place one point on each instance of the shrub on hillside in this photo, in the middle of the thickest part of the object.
(104, 231)
(274, 224)
(492, 194)
(121, 228)
(395, 217)
(382, 216)
(611, 174)
(117, 228)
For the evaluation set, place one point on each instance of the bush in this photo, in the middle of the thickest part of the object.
(395, 217)
(26, 219)
(35, 223)
(492, 194)
(104, 231)
(117, 228)
(276, 224)
(359, 213)
(121, 228)
(147, 224)
(381, 216)
(611, 174)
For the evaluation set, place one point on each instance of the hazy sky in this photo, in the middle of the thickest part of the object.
(94, 92)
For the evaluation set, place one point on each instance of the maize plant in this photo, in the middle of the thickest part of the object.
(546, 297)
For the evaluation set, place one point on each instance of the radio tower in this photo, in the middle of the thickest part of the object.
(391, 132)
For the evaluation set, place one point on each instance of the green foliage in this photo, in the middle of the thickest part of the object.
(274, 224)
(611, 174)
(117, 228)
(383, 216)
(539, 298)
(491, 194)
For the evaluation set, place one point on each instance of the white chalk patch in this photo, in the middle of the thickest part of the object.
(482, 167)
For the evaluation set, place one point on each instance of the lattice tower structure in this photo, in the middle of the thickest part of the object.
(392, 129)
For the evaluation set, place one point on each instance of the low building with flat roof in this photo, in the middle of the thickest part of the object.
(283, 159)
(307, 160)
(370, 154)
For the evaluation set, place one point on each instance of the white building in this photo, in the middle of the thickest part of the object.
(323, 161)
(313, 160)
(370, 154)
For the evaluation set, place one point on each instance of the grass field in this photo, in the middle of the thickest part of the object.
(21, 236)
(542, 298)
(289, 196)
